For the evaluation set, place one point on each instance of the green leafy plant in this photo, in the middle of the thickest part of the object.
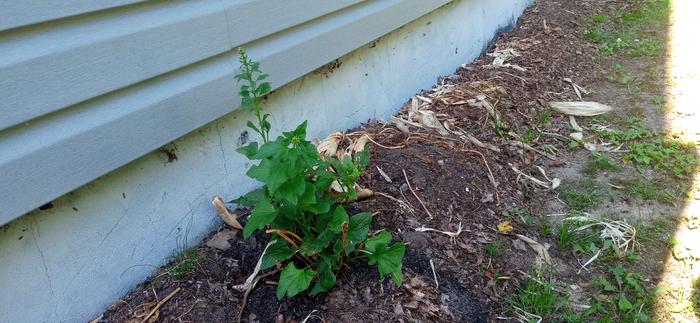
(312, 230)
(672, 155)
(537, 295)
(623, 298)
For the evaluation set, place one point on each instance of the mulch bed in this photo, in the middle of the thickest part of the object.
(449, 175)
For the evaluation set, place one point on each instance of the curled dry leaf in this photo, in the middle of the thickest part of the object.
(574, 124)
(328, 146)
(224, 213)
(582, 109)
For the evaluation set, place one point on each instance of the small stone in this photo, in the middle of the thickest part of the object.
(367, 295)
(398, 309)
(441, 162)
(488, 198)
(576, 136)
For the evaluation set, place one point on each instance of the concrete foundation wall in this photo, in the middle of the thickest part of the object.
(88, 248)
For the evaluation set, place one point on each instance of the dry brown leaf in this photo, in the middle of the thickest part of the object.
(505, 227)
(539, 248)
(224, 213)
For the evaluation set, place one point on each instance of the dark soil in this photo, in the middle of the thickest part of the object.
(449, 175)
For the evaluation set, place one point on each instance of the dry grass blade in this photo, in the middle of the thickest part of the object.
(553, 184)
(453, 235)
(477, 142)
(384, 175)
(402, 204)
(430, 215)
(620, 233)
(249, 283)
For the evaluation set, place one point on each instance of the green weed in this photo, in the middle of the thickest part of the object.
(672, 155)
(585, 195)
(494, 249)
(621, 297)
(184, 263)
(599, 162)
(650, 190)
(536, 295)
(311, 229)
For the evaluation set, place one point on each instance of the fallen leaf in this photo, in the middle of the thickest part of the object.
(505, 227)
(221, 238)
(539, 248)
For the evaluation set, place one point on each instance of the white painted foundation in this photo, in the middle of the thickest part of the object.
(70, 262)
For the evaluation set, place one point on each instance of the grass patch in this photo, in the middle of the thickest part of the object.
(536, 295)
(585, 195)
(184, 263)
(651, 191)
(598, 163)
(580, 241)
(624, 33)
(494, 249)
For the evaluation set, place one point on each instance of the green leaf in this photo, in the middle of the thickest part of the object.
(248, 104)
(339, 217)
(293, 280)
(270, 173)
(299, 132)
(326, 277)
(263, 89)
(378, 241)
(262, 214)
(309, 195)
(251, 198)
(291, 189)
(278, 252)
(248, 150)
(271, 149)
(251, 125)
(311, 245)
(624, 304)
(389, 261)
(359, 227)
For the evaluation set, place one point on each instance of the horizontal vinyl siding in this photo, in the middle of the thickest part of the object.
(84, 95)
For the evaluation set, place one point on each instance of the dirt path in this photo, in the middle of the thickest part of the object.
(527, 215)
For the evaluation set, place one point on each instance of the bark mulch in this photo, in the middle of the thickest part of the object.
(461, 183)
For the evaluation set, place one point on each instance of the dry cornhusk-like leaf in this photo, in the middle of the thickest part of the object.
(582, 109)
(224, 213)
(328, 146)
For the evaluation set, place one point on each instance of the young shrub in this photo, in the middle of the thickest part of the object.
(312, 231)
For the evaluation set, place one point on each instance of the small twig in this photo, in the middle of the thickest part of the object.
(432, 266)
(430, 215)
(453, 235)
(247, 292)
(401, 203)
(490, 174)
(163, 301)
